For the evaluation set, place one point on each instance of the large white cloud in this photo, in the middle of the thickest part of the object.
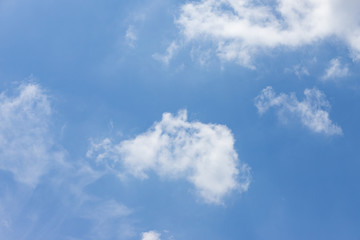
(313, 111)
(241, 28)
(26, 143)
(176, 148)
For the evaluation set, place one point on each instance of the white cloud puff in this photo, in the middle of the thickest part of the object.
(313, 111)
(151, 235)
(335, 70)
(241, 28)
(176, 148)
(26, 145)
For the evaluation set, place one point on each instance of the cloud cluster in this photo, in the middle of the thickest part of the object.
(173, 148)
(26, 144)
(176, 148)
(313, 111)
(240, 29)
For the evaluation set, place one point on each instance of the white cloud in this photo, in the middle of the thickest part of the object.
(131, 36)
(151, 235)
(240, 29)
(175, 148)
(335, 70)
(169, 54)
(313, 111)
(26, 144)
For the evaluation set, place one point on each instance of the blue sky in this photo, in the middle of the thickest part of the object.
(174, 120)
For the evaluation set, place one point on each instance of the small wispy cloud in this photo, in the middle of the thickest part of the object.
(131, 36)
(174, 148)
(169, 54)
(109, 219)
(151, 235)
(313, 111)
(299, 70)
(335, 70)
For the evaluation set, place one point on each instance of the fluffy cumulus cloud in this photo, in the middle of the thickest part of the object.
(241, 28)
(176, 148)
(151, 235)
(26, 144)
(335, 70)
(313, 111)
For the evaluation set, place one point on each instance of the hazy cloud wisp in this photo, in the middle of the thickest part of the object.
(335, 70)
(26, 143)
(168, 55)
